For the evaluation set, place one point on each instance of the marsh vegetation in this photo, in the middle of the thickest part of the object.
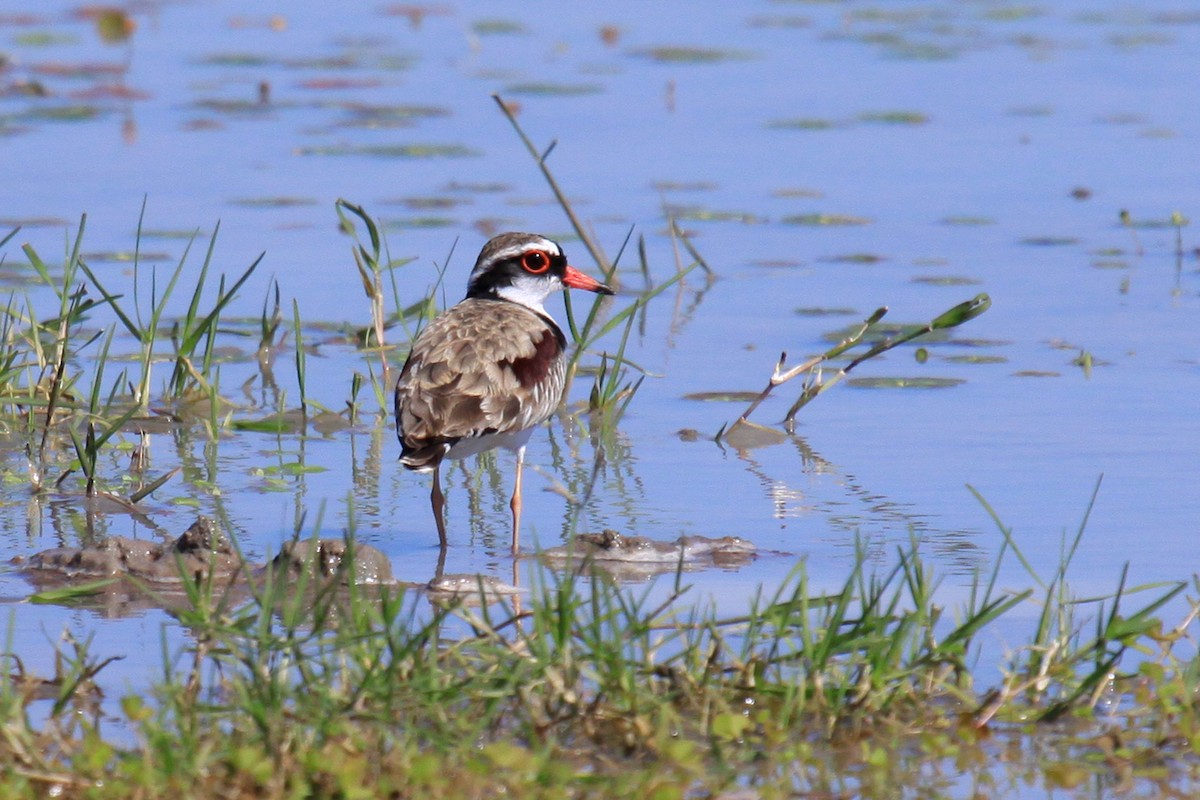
(852, 581)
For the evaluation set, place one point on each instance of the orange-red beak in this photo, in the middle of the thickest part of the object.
(578, 280)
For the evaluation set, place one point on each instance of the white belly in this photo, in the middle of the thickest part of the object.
(514, 440)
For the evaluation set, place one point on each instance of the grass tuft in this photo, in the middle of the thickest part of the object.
(319, 687)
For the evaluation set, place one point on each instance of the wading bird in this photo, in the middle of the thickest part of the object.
(489, 370)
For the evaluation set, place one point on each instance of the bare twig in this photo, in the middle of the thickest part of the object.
(540, 156)
(780, 376)
(950, 318)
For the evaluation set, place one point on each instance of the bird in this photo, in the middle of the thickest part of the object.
(490, 369)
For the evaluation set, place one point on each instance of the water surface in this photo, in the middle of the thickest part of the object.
(826, 158)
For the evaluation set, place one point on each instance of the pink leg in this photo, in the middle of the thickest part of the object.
(515, 505)
(438, 501)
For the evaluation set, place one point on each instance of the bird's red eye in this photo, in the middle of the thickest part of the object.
(535, 262)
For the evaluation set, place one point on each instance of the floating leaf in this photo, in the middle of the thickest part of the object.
(779, 21)
(797, 191)
(947, 280)
(391, 151)
(918, 51)
(966, 220)
(1049, 241)
(293, 468)
(427, 202)
(803, 124)
(220, 106)
(370, 114)
(893, 117)
(1174, 221)
(477, 187)
(70, 113)
(721, 397)
(905, 383)
(1030, 111)
(1008, 13)
(427, 222)
(854, 258)
(485, 27)
(126, 256)
(683, 186)
(692, 55)
(976, 342)
(272, 424)
(555, 89)
(340, 83)
(699, 214)
(825, 220)
(235, 60)
(973, 358)
(1158, 133)
(43, 39)
(322, 62)
(273, 202)
(88, 70)
(1121, 119)
(776, 263)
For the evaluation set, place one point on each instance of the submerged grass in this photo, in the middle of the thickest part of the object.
(323, 689)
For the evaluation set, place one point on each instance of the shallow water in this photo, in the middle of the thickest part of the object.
(982, 147)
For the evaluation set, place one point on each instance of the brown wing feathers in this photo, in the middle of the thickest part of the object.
(533, 369)
(484, 366)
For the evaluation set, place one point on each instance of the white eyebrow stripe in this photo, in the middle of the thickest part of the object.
(538, 244)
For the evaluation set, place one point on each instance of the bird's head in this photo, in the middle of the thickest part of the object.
(526, 268)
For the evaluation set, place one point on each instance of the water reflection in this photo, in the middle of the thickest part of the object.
(856, 511)
(880, 114)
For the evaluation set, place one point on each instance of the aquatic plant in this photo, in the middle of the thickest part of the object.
(328, 688)
(817, 383)
(47, 360)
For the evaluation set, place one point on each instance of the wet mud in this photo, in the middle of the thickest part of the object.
(633, 558)
(122, 576)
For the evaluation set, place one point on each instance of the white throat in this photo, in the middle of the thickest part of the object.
(530, 291)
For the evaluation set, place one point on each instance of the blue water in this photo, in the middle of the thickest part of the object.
(1012, 115)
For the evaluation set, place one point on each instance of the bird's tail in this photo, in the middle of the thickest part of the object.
(425, 456)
